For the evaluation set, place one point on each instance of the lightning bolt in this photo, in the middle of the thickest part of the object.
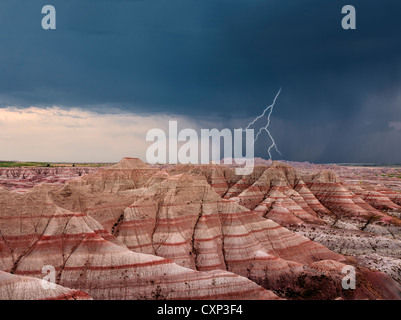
(269, 111)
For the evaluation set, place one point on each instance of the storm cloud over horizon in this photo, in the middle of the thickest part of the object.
(220, 62)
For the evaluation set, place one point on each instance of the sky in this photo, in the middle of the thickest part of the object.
(90, 90)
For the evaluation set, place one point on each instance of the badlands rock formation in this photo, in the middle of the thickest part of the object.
(134, 231)
(13, 287)
(36, 232)
(23, 178)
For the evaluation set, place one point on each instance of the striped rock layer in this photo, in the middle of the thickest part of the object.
(133, 231)
(183, 219)
(36, 233)
(183, 213)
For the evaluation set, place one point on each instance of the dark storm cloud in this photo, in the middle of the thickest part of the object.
(222, 59)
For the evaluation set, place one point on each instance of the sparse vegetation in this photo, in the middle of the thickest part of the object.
(392, 175)
(9, 164)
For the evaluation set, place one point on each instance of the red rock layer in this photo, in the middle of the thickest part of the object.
(13, 287)
(334, 195)
(312, 202)
(282, 210)
(184, 220)
(36, 232)
(24, 178)
(245, 181)
(178, 214)
(106, 193)
(391, 194)
(279, 184)
(214, 175)
(282, 215)
(374, 198)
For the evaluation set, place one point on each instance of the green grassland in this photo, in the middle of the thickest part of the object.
(9, 164)
(22, 164)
